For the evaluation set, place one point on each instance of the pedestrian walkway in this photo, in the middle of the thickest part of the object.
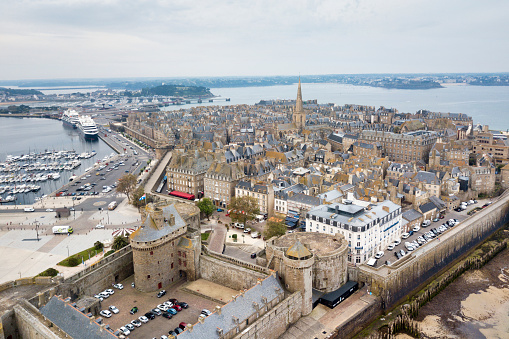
(216, 239)
(157, 172)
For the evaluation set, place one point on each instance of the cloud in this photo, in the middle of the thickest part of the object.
(223, 37)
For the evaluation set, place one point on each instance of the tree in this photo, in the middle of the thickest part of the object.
(243, 208)
(126, 185)
(206, 207)
(274, 229)
(119, 242)
(137, 194)
(98, 245)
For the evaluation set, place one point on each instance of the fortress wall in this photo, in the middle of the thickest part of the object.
(100, 276)
(276, 321)
(228, 275)
(31, 324)
(397, 281)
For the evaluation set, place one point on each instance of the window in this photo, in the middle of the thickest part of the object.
(148, 276)
(151, 252)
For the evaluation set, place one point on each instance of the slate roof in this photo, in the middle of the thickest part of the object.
(70, 320)
(412, 215)
(149, 232)
(305, 199)
(429, 206)
(241, 308)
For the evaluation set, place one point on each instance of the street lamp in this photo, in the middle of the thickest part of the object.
(37, 230)
(67, 251)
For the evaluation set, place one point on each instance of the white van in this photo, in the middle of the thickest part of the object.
(29, 209)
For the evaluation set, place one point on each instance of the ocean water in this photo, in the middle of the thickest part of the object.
(485, 104)
(24, 135)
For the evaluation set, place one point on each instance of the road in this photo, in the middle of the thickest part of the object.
(390, 255)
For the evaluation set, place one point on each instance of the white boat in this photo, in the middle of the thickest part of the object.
(88, 128)
(70, 118)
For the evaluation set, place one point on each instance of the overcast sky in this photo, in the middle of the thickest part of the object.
(135, 38)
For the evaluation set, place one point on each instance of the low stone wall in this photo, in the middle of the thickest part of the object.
(236, 261)
(395, 282)
(103, 274)
(276, 321)
(234, 277)
(358, 320)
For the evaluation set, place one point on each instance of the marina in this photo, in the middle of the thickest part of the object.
(28, 171)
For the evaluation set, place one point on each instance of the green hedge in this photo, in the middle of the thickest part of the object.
(76, 259)
(50, 272)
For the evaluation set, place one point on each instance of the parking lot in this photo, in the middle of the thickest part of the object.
(389, 254)
(129, 297)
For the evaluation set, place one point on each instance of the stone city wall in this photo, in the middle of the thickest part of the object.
(358, 321)
(223, 273)
(31, 324)
(395, 282)
(276, 321)
(100, 276)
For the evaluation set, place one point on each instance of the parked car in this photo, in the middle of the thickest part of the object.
(416, 229)
(119, 286)
(206, 312)
(156, 311)
(113, 309)
(219, 209)
(390, 247)
(405, 235)
(397, 242)
(124, 330)
(150, 315)
(161, 293)
(143, 319)
(173, 301)
(99, 226)
(171, 332)
(162, 307)
(104, 295)
(167, 315)
(110, 291)
(177, 307)
(178, 330)
(172, 310)
(136, 322)
(130, 327)
(183, 325)
(377, 256)
(105, 313)
(98, 297)
(436, 219)
(134, 310)
(183, 304)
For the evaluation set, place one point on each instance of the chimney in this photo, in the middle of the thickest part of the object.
(218, 310)
(189, 327)
(219, 331)
(92, 319)
(172, 220)
(201, 320)
(386, 209)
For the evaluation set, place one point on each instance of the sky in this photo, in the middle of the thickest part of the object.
(46, 39)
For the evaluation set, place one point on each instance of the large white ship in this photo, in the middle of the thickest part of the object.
(70, 118)
(88, 128)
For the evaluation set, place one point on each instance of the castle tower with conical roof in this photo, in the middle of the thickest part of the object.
(299, 116)
(298, 276)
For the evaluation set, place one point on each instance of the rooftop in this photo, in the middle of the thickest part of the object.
(316, 243)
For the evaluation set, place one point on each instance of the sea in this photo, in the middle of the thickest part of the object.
(487, 105)
(20, 136)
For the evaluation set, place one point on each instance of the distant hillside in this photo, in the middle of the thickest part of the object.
(11, 91)
(173, 90)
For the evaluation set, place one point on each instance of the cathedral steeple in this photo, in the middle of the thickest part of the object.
(299, 116)
(298, 104)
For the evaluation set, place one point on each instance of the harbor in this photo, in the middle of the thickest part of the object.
(44, 160)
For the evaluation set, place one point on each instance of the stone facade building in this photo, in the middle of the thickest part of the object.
(412, 146)
(262, 192)
(220, 181)
(186, 172)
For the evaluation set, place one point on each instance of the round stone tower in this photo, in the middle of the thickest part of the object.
(298, 274)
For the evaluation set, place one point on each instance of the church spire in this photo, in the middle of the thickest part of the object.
(298, 104)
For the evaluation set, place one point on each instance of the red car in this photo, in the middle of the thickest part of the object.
(177, 307)
(183, 325)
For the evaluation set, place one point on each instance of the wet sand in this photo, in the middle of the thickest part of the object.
(476, 305)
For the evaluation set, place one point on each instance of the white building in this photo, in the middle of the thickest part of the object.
(367, 229)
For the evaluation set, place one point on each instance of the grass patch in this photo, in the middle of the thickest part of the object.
(78, 258)
(205, 236)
